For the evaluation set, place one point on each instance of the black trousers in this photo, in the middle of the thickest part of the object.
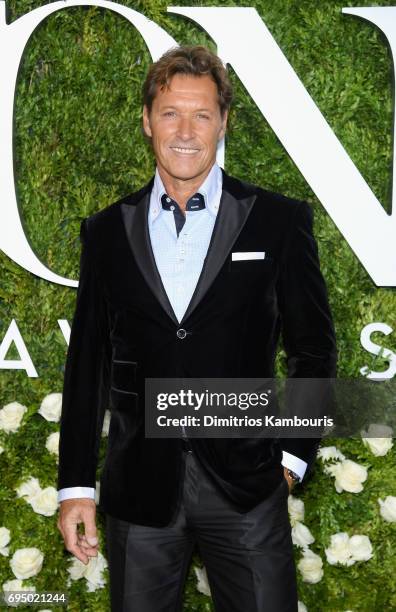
(248, 557)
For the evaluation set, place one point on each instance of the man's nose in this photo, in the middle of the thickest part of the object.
(185, 128)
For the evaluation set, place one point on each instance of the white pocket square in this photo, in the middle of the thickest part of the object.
(244, 256)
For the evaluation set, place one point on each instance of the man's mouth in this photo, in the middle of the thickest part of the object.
(185, 150)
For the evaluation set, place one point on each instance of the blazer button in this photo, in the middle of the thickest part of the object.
(181, 333)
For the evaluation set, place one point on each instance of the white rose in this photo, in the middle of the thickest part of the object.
(76, 569)
(12, 585)
(91, 572)
(11, 416)
(51, 407)
(302, 607)
(378, 430)
(94, 572)
(29, 489)
(26, 562)
(349, 476)
(106, 424)
(17, 585)
(52, 443)
(330, 453)
(378, 438)
(311, 567)
(5, 536)
(347, 551)
(378, 446)
(45, 502)
(388, 508)
(360, 547)
(202, 581)
(296, 509)
(339, 550)
(301, 535)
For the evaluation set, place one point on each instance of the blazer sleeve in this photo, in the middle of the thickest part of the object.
(86, 379)
(307, 329)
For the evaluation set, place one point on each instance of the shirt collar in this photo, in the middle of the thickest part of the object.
(209, 189)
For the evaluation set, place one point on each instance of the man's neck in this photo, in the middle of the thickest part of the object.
(182, 190)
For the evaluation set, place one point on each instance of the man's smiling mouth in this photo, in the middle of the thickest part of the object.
(185, 150)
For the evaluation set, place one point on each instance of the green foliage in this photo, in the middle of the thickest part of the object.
(79, 146)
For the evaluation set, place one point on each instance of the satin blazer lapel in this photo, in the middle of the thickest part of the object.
(136, 225)
(231, 218)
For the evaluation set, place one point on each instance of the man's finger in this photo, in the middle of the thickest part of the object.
(71, 544)
(90, 528)
(77, 552)
(92, 551)
(72, 514)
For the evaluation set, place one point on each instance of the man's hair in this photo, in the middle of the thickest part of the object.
(192, 60)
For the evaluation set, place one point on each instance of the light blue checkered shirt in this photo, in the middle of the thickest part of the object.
(180, 259)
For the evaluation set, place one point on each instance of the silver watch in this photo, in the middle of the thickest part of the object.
(295, 477)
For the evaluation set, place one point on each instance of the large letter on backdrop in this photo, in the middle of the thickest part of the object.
(245, 42)
(13, 40)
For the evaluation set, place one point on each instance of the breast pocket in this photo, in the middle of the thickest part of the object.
(251, 267)
(251, 280)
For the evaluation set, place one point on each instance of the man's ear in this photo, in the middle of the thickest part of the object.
(146, 122)
(223, 129)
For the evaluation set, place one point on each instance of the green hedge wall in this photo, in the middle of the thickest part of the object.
(79, 146)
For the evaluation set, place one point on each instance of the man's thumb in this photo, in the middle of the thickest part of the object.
(90, 531)
(92, 540)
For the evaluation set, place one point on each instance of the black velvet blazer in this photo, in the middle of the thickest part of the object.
(124, 329)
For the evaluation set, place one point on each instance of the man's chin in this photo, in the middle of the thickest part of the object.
(186, 172)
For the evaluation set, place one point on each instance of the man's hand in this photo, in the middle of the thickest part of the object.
(71, 513)
(289, 480)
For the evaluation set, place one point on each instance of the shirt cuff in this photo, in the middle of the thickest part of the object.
(295, 464)
(75, 492)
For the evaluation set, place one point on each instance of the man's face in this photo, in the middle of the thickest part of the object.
(185, 125)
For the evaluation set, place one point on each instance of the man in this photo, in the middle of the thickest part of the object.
(162, 295)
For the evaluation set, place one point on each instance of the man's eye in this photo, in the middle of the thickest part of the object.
(202, 116)
(169, 114)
